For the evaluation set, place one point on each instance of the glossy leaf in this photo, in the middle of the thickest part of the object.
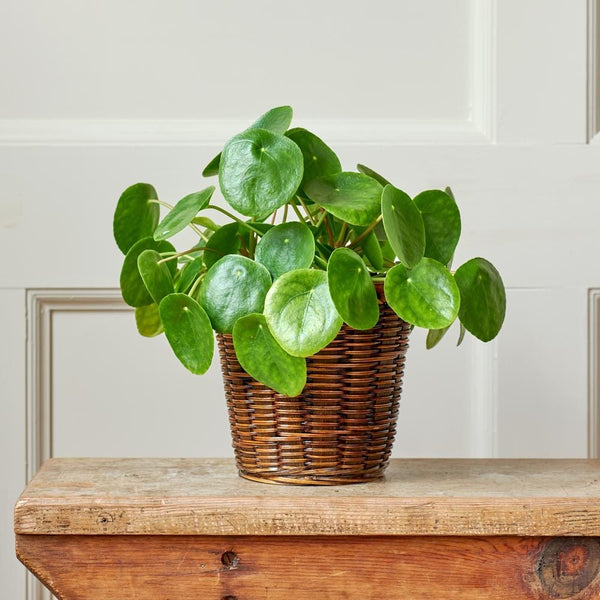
(403, 225)
(426, 296)
(262, 357)
(183, 213)
(206, 223)
(352, 197)
(226, 240)
(376, 176)
(300, 312)
(372, 250)
(483, 298)
(135, 217)
(434, 336)
(441, 218)
(189, 273)
(260, 171)
(148, 320)
(133, 288)
(234, 287)
(352, 289)
(189, 332)
(319, 158)
(155, 275)
(276, 120)
(286, 247)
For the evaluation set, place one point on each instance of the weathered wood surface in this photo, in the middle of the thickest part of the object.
(417, 497)
(305, 568)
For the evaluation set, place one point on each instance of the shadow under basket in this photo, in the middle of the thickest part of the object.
(340, 429)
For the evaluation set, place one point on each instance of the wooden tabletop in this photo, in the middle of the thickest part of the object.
(207, 497)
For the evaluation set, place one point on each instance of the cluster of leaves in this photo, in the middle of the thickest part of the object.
(284, 290)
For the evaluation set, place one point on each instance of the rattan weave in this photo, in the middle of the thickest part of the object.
(341, 428)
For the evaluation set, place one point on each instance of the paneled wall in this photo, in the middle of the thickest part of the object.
(498, 100)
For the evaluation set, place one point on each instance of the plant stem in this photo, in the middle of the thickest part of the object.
(321, 217)
(196, 284)
(308, 214)
(298, 213)
(242, 223)
(155, 201)
(367, 231)
(274, 217)
(285, 213)
(321, 261)
(342, 236)
(329, 232)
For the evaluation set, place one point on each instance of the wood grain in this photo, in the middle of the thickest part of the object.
(305, 568)
(417, 497)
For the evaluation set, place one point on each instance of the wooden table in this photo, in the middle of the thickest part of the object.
(183, 529)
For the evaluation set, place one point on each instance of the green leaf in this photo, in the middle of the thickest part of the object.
(234, 287)
(226, 240)
(189, 332)
(135, 216)
(376, 176)
(260, 171)
(352, 197)
(434, 336)
(403, 225)
(206, 223)
(352, 289)
(189, 273)
(264, 359)
(148, 320)
(155, 275)
(483, 298)
(461, 335)
(441, 218)
(133, 288)
(319, 158)
(372, 250)
(426, 296)
(276, 120)
(286, 247)
(300, 313)
(183, 213)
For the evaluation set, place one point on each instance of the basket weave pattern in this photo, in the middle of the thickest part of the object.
(341, 428)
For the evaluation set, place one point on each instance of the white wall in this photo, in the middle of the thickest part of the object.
(488, 97)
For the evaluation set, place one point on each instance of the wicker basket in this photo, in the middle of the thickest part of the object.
(341, 428)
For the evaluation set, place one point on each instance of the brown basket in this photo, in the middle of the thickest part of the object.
(341, 428)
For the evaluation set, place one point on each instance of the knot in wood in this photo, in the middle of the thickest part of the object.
(230, 559)
(568, 565)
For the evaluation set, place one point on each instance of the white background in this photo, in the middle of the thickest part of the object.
(495, 99)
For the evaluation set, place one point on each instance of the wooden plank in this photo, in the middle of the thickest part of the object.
(417, 497)
(304, 568)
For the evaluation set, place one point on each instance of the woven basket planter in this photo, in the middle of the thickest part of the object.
(341, 428)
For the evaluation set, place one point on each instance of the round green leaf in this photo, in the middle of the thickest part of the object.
(286, 247)
(441, 218)
(277, 120)
(352, 197)
(483, 298)
(133, 288)
(226, 240)
(188, 330)
(319, 158)
(260, 171)
(403, 225)
(183, 213)
(148, 320)
(352, 289)
(234, 287)
(155, 275)
(376, 176)
(263, 358)
(189, 273)
(426, 296)
(300, 312)
(135, 216)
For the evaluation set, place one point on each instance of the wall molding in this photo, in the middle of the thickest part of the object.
(41, 306)
(594, 373)
(478, 128)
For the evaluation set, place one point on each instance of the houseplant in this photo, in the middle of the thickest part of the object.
(311, 254)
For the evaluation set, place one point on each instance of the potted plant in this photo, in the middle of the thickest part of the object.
(312, 288)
